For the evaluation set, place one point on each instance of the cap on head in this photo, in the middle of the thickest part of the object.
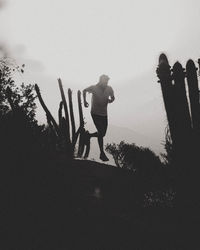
(103, 78)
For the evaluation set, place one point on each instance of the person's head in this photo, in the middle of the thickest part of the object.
(103, 79)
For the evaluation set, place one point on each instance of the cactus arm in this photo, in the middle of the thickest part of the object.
(65, 109)
(193, 93)
(60, 114)
(73, 127)
(49, 115)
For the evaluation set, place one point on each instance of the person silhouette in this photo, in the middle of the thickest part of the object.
(102, 94)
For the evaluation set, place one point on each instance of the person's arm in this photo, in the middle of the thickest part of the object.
(111, 96)
(89, 90)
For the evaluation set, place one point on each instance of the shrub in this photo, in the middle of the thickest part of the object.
(133, 157)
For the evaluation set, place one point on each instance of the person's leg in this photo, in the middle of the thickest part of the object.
(101, 124)
(103, 156)
(100, 141)
(97, 124)
(101, 145)
(102, 132)
(95, 134)
(99, 138)
(104, 123)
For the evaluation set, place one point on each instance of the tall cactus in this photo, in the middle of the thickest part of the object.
(87, 144)
(164, 74)
(66, 111)
(81, 145)
(53, 133)
(62, 131)
(184, 125)
(182, 108)
(48, 114)
(73, 126)
(192, 80)
(60, 114)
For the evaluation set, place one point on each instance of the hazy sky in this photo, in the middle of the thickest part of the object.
(78, 40)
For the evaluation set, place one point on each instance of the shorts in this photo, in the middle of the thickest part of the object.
(101, 123)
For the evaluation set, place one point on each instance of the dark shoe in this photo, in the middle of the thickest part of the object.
(103, 157)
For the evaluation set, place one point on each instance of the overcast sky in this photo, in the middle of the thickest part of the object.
(78, 40)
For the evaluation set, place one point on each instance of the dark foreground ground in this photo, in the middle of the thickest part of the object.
(85, 205)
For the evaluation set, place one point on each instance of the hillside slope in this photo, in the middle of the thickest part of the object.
(54, 204)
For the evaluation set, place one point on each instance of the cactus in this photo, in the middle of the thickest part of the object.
(48, 114)
(84, 139)
(66, 110)
(81, 145)
(164, 74)
(73, 127)
(51, 128)
(182, 108)
(81, 119)
(62, 131)
(184, 125)
(192, 80)
(87, 144)
(60, 114)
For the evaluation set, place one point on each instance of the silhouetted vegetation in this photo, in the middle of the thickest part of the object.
(153, 178)
(133, 157)
(13, 96)
(19, 130)
(52, 195)
(183, 113)
(168, 156)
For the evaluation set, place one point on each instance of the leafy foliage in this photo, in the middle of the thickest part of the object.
(132, 157)
(152, 178)
(19, 132)
(168, 157)
(22, 96)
